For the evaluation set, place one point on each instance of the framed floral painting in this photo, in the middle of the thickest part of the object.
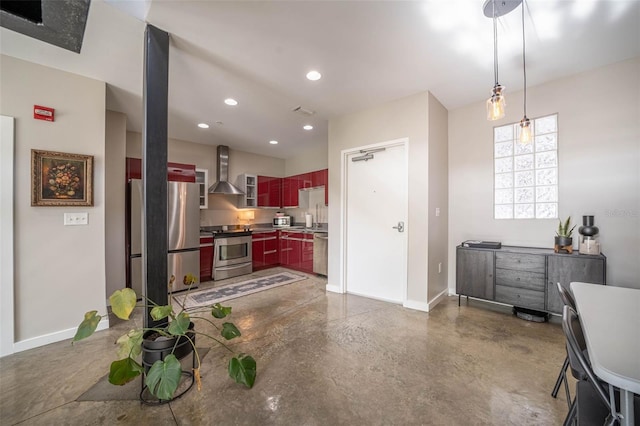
(61, 179)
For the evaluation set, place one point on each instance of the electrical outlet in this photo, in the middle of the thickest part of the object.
(76, 218)
(437, 211)
(439, 267)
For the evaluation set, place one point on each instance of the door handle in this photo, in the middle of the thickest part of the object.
(400, 227)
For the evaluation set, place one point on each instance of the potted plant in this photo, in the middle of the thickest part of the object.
(162, 347)
(563, 234)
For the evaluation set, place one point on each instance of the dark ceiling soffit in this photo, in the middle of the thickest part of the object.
(63, 23)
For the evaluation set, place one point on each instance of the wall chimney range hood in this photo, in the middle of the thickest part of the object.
(222, 186)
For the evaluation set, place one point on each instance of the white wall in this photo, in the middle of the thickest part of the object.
(59, 270)
(438, 198)
(314, 158)
(115, 193)
(599, 160)
(407, 117)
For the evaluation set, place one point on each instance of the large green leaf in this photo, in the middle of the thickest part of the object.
(87, 326)
(163, 377)
(229, 331)
(122, 302)
(161, 312)
(130, 343)
(180, 325)
(219, 311)
(242, 369)
(123, 371)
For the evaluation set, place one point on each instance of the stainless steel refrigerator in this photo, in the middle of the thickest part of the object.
(183, 216)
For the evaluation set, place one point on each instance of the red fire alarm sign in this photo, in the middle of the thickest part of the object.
(43, 113)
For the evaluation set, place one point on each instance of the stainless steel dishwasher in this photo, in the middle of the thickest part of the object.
(320, 251)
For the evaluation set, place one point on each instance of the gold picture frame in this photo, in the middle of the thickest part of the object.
(61, 179)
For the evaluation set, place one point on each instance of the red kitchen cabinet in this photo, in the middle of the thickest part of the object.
(271, 252)
(176, 172)
(257, 252)
(321, 178)
(206, 258)
(269, 191)
(304, 181)
(265, 249)
(290, 191)
(296, 251)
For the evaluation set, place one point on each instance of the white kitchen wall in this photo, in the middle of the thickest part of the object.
(115, 170)
(312, 159)
(59, 270)
(599, 160)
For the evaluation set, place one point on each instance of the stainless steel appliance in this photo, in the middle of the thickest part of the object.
(281, 221)
(232, 255)
(183, 233)
(320, 252)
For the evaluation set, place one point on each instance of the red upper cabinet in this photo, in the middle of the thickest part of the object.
(269, 191)
(321, 178)
(304, 181)
(176, 172)
(290, 191)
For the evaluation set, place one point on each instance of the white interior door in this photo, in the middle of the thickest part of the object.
(376, 221)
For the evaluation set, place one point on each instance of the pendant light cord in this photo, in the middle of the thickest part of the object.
(495, 43)
(524, 63)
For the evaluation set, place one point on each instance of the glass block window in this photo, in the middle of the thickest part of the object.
(526, 175)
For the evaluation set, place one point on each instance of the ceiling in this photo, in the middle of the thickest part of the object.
(369, 52)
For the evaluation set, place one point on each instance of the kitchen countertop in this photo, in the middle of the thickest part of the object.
(301, 229)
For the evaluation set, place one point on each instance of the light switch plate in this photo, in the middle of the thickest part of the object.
(81, 218)
(437, 211)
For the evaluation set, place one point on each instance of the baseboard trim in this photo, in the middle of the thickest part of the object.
(433, 302)
(333, 288)
(418, 306)
(58, 336)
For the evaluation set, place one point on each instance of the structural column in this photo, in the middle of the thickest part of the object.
(154, 167)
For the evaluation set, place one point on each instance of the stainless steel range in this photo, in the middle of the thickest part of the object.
(232, 254)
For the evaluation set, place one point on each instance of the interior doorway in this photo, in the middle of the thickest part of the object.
(375, 195)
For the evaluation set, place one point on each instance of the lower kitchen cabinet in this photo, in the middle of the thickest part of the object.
(296, 250)
(206, 258)
(524, 276)
(265, 249)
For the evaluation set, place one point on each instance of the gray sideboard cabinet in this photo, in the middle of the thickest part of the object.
(524, 276)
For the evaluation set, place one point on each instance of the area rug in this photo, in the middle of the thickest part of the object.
(231, 291)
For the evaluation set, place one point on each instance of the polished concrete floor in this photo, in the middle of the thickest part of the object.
(323, 359)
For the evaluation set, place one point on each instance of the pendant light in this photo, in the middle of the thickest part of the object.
(496, 103)
(525, 123)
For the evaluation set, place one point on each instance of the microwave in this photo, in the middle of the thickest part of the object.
(281, 221)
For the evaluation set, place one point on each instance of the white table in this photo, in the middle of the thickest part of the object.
(610, 318)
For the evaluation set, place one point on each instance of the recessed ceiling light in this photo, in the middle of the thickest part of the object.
(231, 102)
(273, 142)
(203, 125)
(308, 127)
(314, 75)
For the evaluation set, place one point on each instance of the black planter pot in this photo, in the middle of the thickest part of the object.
(563, 241)
(159, 349)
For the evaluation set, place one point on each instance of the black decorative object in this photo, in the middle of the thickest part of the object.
(589, 236)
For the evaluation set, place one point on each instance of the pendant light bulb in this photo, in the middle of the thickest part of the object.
(496, 104)
(526, 135)
(525, 130)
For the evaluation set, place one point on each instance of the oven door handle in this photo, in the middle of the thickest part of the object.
(231, 267)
